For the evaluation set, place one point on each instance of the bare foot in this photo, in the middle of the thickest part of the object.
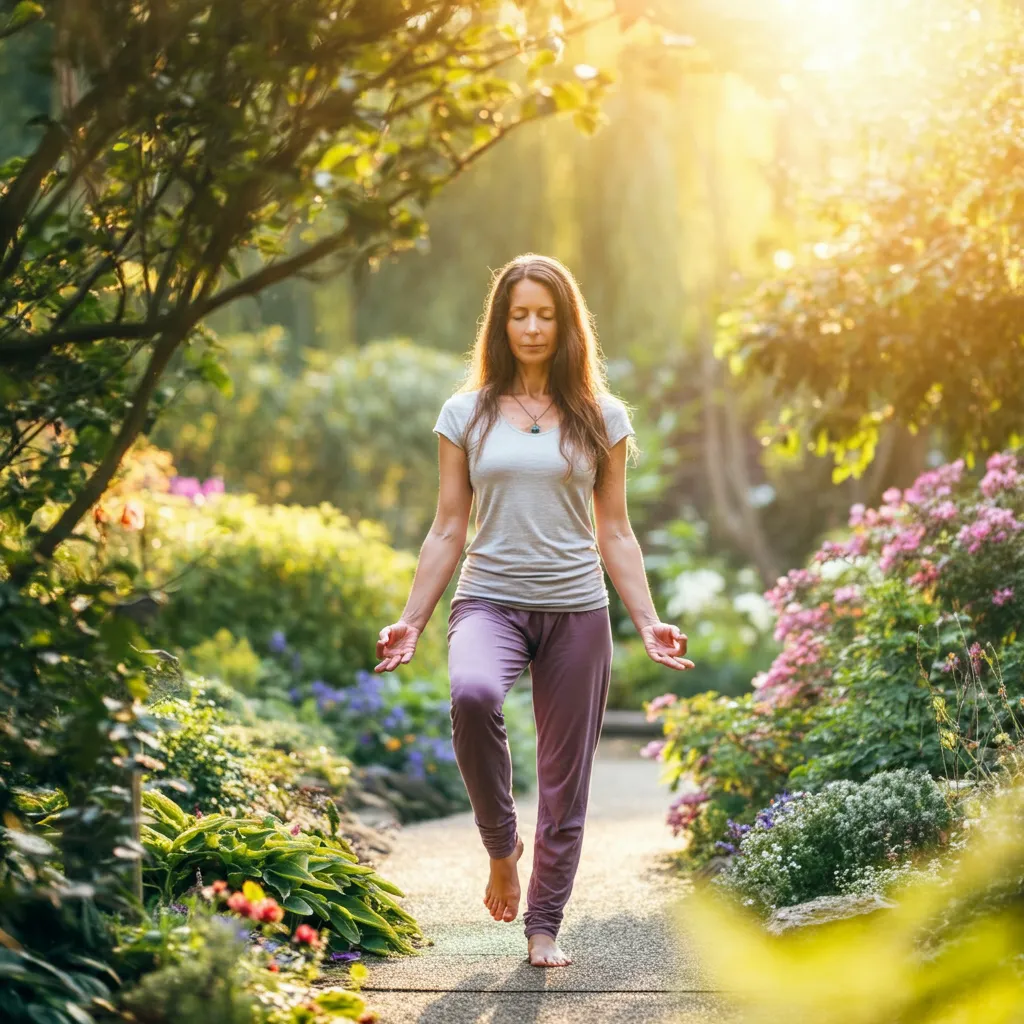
(545, 952)
(502, 894)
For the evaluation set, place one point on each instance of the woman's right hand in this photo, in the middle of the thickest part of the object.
(396, 645)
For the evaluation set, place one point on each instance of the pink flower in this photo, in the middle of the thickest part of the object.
(926, 575)
(975, 654)
(936, 483)
(846, 595)
(653, 750)
(951, 662)
(905, 542)
(893, 496)
(857, 514)
(944, 511)
(654, 706)
(1004, 596)
(993, 525)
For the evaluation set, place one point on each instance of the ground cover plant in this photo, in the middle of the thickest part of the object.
(806, 845)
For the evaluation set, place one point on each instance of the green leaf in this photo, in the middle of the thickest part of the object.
(335, 155)
(296, 904)
(343, 922)
(282, 885)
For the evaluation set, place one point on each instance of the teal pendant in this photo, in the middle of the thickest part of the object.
(535, 429)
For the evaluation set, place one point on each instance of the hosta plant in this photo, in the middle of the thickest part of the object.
(313, 875)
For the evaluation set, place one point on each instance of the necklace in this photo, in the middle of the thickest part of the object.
(535, 429)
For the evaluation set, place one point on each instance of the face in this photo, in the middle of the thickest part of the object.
(532, 327)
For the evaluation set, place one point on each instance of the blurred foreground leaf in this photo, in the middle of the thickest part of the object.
(952, 950)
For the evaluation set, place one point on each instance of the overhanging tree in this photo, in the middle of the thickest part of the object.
(203, 153)
(906, 304)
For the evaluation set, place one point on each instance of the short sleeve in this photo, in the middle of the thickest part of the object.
(451, 421)
(616, 419)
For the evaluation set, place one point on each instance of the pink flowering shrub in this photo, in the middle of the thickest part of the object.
(957, 543)
(923, 593)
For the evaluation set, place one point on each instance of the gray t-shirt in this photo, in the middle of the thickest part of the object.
(534, 545)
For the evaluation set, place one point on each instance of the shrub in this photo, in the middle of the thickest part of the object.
(197, 747)
(819, 844)
(309, 574)
(730, 755)
(876, 629)
(353, 429)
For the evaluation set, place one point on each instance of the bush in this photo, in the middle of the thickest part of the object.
(260, 572)
(731, 755)
(900, 642)
(197, 747)
(353, 429)
(819, 844)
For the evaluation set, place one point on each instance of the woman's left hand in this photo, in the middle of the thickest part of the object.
(666, 645)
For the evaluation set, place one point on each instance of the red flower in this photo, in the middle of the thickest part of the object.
(238, 903)
(267, 910)
(220, 885)
(273, 967)
(307, 935)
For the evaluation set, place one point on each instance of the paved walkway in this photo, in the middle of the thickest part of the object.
(629, 966)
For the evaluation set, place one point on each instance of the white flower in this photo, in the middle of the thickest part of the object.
(756, 608)
(694, 590)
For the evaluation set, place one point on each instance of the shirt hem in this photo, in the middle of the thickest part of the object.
(541, 606)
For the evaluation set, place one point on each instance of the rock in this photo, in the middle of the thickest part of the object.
(824, 910)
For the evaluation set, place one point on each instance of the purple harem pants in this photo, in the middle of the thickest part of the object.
(569, 654)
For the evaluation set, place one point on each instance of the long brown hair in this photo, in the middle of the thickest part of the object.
(577, 379)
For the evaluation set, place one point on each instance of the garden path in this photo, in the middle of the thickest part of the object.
(629, 962)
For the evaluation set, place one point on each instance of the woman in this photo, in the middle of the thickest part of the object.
(533, 436)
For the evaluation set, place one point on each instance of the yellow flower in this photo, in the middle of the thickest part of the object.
(392, 743)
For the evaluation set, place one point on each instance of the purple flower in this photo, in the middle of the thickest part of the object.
(1001, 597)
(345, 958)
(179, 908)
(277, 644)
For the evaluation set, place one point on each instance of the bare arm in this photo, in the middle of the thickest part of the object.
(443, 545)
(622, 557)
(439, 555)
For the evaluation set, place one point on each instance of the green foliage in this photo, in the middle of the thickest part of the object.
(820, 844)
(197, 747)
(910, 273)
(250, 157)
(314, 875)
(209, 984)
(323, 581)
(353, 429)
(733, 754)
(198, 961)
(231, 661)
(71, 734)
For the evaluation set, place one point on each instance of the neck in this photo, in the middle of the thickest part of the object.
(531, 380)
